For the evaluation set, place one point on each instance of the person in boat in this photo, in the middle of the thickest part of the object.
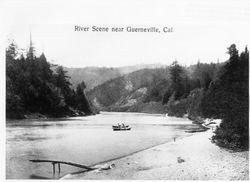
(123, 125)
(119, 126)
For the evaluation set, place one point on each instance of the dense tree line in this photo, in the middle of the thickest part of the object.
(33, 85)
(214, 91)
(228, 98)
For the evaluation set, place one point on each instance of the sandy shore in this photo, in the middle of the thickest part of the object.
(190, 158)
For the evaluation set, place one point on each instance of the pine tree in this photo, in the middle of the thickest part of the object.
(62, 81)
(176, 79)
(82, 102)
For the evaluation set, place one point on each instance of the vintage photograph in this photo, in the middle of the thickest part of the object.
(126, 90)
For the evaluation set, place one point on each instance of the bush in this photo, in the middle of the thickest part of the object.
(177, 108)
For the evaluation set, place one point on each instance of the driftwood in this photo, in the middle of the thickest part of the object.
(62, 162)
(96, 168)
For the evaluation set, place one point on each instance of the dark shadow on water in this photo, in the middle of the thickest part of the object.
(33, 176)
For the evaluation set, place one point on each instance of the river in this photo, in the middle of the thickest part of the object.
(83, 140)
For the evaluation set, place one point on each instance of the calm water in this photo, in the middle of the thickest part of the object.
(84, 140)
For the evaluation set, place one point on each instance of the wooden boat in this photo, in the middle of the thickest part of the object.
(121, 128)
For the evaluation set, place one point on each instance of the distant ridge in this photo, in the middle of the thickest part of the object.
(94, 76)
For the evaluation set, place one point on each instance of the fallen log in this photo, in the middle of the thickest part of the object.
(62, 162)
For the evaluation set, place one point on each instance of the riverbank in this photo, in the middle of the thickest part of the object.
(190, 158)
(37, 115)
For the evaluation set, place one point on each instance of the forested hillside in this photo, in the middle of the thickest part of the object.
(152, 88)
(132, 91)
(94, 76)
(33, 88)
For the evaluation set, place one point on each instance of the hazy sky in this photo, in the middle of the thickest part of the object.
(202, 30)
